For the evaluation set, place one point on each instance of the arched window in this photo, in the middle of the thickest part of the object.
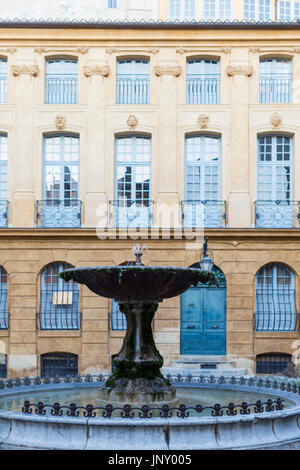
(275, 298)
(3, 179)
(59, 304)
(202, 81)
(61, 206)
(118, 319)
(133, 181)
(59, 365)
(272, 363)
(133, 81)
(275, 80)
(3, 299)
(202, 205)
(61, 81)
(3, 81)
(274, 206)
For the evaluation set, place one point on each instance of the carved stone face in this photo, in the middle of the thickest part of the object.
(132, 121)
(275, 120)
(203, 121)
(60, 121)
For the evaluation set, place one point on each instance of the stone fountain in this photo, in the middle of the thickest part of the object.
(138, 290)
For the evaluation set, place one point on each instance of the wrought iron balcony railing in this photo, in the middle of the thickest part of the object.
(3, 89)
(275, 89)
(62, 90)
(202, 89)
(276, 321)
(204, 214)
(3, 213)
(55, 213)
(129, 213)
(133, 90)
(277, 214)
(4, 320)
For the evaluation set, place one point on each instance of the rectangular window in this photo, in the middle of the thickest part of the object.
(61, 81)
(217, 9)
(112, 4)
(284, 10)
(132, 207)
(275, 80)
(3, 366)
(133, 81)
(118, 319)
(257, 10)
(3, 81)
(182, 9)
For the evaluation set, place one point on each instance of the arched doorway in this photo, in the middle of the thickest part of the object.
(203, 318)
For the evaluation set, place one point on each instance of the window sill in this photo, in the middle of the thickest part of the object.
(59, 333)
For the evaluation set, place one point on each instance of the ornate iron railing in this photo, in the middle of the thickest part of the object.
(165, 411)
(207, 214)
(55, 213)
(133, 90)
(3, 88)
(62, 90)
(202, 89)
(276, 321)
(4, 319)
(60, 318)
(277, 214)
(275, 89)
(3, 213)
(129, 213)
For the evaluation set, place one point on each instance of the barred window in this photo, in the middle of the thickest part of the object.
(3, 366)
(272, 363)
(3, 299)
(59, 365)
(61, 81)
(59, 305)
(275, 298)
(118, 319)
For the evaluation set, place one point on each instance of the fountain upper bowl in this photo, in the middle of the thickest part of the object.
(136, 282)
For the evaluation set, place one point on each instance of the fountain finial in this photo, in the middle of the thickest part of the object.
(138, 252)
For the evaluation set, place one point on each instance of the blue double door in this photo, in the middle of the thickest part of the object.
(203, 321)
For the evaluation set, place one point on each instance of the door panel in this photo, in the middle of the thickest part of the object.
(203, 321)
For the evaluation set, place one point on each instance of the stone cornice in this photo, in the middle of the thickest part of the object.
(212, 50)
(45, 50)
(239, 70)
(18, 70)
(148, 50)
(90, 70)
(160, 70)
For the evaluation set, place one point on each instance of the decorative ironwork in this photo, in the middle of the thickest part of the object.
(129, 213)
(272, 364)
(55, 213)
(146, 412)
(62, 90)
(59, 365)
(133, 90)
(275, 89)
(203, 89)
(3, 213)
(277, 214)
(206, 213)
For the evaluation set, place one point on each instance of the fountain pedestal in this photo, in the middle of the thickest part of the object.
(137, 378)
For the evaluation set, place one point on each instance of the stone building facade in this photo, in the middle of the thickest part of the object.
(103, 125)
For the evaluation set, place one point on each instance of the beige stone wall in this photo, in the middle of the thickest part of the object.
(239, 254)
(239, 251)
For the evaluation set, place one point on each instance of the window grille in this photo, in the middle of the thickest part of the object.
(4, 316)
(61, 81)
(118, 319)
(59, 365)
(59, 304)
(3, 366)
(272, 363)
(275, 298)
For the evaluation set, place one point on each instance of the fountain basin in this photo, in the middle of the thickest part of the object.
(250, 431)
